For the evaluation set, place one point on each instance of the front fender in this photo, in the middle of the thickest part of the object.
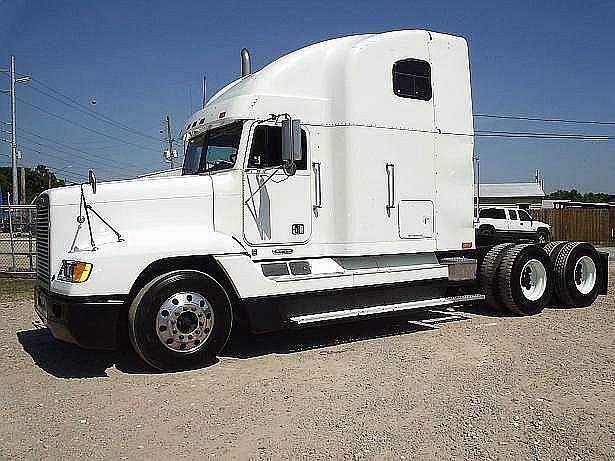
(116, 265)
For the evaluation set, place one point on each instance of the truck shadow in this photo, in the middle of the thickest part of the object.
(64, 360)
(316, 337)
(68, 361)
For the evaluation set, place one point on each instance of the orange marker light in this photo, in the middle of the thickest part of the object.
(466, 245)
(222, 115)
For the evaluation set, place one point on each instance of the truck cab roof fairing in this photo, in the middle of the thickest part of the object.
(326, 83)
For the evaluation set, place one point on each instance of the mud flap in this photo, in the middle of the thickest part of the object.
(604, 267)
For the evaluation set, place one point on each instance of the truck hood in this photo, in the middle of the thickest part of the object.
(165, 207)
(134, 190)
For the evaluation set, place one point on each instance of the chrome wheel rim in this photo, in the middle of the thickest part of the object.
(585, 274)
(184, 322)
(533, 280)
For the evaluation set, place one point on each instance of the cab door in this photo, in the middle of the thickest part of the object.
(277, 207)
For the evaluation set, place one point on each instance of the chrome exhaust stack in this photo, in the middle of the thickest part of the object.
(245, 62)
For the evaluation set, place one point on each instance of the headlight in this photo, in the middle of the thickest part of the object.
(74, 271)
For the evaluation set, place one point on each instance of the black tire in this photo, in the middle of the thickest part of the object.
(486, 233)
(542, 236)
(144, 310)
(510, 284)
(488, 274)
(553, 249)
(566, 271)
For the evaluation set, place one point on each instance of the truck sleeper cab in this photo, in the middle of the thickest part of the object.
(335, 183)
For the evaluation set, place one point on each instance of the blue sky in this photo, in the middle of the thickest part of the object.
(143, 59)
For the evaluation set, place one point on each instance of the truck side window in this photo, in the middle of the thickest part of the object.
(266, 150)
(412, 79)
(513, 214)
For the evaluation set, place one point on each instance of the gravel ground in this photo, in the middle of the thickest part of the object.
(466, 384)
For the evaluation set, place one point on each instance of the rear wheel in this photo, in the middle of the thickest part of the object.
(180, 320)
(577, 274)
(525, 279)
(553, 248)
(488, 274)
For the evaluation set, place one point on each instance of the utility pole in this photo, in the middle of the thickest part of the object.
(170, 140)
(204, 91)
(170, 154)
(22, 183)
(11, 91)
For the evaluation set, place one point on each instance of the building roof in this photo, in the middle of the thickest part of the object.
(516, 189)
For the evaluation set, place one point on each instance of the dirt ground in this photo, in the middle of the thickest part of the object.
(468, 384)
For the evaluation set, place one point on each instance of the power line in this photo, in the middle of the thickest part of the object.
(65, 172)
(100, 133)
(47, 153)
(30, 134)
(76, 105)
(539, 119)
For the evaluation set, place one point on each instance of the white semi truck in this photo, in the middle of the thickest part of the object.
(335, 183)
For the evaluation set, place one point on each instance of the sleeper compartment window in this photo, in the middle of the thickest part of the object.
(412, 79)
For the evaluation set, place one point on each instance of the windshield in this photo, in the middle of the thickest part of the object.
(214, 150)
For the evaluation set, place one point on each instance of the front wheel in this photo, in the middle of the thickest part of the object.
(180, 320)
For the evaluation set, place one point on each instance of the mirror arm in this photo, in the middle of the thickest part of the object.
(262, 185)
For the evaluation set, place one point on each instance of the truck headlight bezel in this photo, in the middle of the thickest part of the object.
(74, 271)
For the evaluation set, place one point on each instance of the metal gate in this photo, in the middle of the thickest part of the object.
(18, 239)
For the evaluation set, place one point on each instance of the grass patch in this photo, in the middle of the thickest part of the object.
(13, 289)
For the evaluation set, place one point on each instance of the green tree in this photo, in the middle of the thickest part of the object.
(576, 196)
(37, 180)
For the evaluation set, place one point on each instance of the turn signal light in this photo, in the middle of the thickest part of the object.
(75, 271)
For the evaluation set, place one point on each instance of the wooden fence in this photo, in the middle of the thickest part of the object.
(595, 225)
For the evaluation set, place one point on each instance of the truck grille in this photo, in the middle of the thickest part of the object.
(42, 239)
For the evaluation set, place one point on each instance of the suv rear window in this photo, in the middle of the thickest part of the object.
(493, 213)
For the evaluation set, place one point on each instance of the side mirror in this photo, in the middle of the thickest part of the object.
(291, 140)
(92, 181)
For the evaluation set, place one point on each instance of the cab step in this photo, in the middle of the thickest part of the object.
(383, 309)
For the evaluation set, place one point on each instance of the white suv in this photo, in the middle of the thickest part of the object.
(509, 225)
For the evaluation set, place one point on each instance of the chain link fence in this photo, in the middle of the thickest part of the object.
(18, 239)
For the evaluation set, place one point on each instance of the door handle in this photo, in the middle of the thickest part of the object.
(317, 185)
(390, 168)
